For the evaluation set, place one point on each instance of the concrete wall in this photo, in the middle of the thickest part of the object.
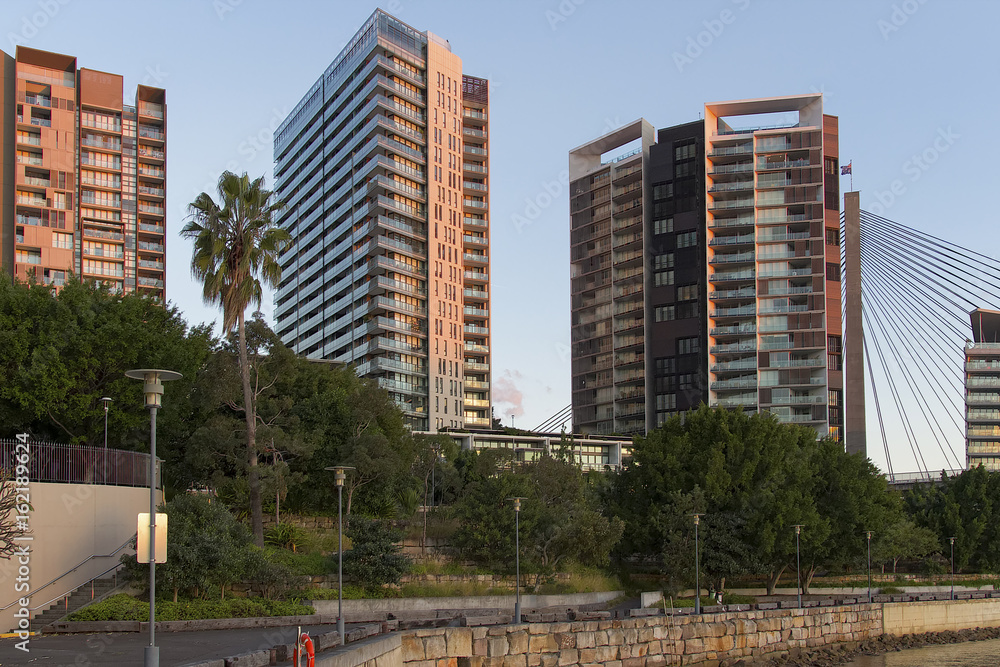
(69, 523)
(381, 652)
(363, 609)
(907, 618)
(642, 642)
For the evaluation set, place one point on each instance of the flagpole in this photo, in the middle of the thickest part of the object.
(852, 173)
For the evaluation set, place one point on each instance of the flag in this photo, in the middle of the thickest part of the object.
(846, 169)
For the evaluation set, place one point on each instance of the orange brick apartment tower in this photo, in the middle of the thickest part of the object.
(384, 169)
(83, 175)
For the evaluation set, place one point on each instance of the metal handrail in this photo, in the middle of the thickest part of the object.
(77, 567)
(68, 593)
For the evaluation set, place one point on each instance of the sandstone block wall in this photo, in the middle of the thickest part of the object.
(640, 642)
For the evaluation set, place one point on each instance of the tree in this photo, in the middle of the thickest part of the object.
(900, 540)
(11, 507)
(235, 245)
(375, 557)
(61, 352)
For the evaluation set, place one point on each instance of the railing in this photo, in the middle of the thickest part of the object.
(86, 560)
(79, 464)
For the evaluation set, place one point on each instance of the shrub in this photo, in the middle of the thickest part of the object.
(286, 536)
(124, 607)
(375, 557)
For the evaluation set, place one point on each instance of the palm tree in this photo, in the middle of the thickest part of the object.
(235, 245)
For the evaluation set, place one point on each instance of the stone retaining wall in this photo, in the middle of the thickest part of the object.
(641, 642)
(906, 618)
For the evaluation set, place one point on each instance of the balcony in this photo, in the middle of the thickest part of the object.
(730, 204)
(30, 139)
(472, 132)
(742, 221)
(735, 383)
(475, 240)
(472, 185)
(732, 258)
(476, 367)
(35, 161)
(479, 169)
(475, 258)
(472, 311)
(475, 203)
(474, 114)
(153, 192)
(147, 132)
(38, 100)
(740, 239)
(153, 229)
(473, 329)
(741, 311)
(477, 276)
(103, 252)
(147, 264)
(152, 153)
(476, 348)
(149, 282)
(725, 276)
(475, 294)
(475, 222)
(151, 210)
(797, 363)
(730, 150)
(151, 247)
(37, 182)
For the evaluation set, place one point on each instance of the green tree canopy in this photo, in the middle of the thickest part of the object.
(61, 353)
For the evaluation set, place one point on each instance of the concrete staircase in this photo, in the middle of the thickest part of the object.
(78, 599)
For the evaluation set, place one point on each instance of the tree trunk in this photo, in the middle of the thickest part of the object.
(175, 594)
(256, 515)
(772, 580)
(810, 572)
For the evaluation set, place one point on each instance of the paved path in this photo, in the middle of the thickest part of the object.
(126, 648)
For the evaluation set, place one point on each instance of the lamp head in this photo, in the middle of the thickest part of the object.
(339, 473)
(517, 502)
(798, 528)
(106, 400)
(697, 517)
(153, 380)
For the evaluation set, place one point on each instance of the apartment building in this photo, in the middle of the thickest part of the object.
(705, 265)
(83, 180)
(982, 391)
(384, 169)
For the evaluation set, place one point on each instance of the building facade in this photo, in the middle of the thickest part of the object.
(982, 391)
(384, 169)
(587, 451)
(705, 267)
(83, 183)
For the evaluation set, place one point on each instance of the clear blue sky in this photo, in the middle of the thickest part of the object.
(898, 73)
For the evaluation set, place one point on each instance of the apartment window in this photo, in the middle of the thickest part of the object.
(684, 169)
(833, 237)
(663, 226)
(688, 345)
(687, 240)
(663, 278)
(833, 362)
(687, 292)
(664, 366)
(663, 190)
(833, 271)
(687, 381)
(28, 256)
(834, 397)
(663, 261)
(685, 152)
(664, 313)
(666, 401)
(830, 166)
(60, 240)
(687, 310)
(833, 345)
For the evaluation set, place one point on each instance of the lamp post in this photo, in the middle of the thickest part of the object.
(798, 569)
(339, 475)
(152, 388)
(517, 556)
(697, 567)
(869, 535)
(106, 400)
(952, 540)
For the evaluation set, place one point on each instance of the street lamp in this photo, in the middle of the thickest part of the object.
(517, 556)
(798, 569)
(697, 568)
(952, 540)
(106, 400)
(340, 474)
(869, 534)
(152, 388)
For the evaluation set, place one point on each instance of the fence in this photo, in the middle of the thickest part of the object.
(79, 464)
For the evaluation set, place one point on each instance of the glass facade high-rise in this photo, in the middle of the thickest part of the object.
(705, 267)
(83, 175)
(384, 169)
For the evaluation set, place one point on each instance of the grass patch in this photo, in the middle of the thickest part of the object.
(582, 580)
(124, 607)
(302, 563)
(890, 590)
